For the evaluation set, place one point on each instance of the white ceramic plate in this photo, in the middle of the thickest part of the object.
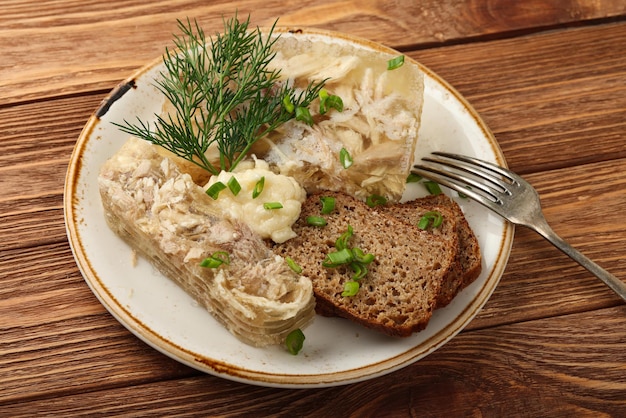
(336, 351)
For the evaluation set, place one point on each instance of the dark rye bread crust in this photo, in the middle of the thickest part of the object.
(468, 263)
(470, 256)
(400, 292)
(411, 213)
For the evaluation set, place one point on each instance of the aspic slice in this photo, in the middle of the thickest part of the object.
(378, 126)
(171, 221)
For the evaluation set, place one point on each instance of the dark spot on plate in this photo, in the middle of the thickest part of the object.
(117, 93)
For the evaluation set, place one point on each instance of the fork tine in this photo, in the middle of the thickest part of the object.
(478, 172)
(486, 181)
(475, 163)
(458, 183)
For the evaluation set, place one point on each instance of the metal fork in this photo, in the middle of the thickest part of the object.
(508, 195)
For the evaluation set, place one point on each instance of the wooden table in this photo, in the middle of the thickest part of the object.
(548, 77)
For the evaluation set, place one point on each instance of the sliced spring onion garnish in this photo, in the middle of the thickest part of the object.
(342, 241)
(288, 104)
(315, 221)
(345, 158)
(350, 288)
(355, 257)
(214, 190)
(432, 187)
(334, 102)
(258, 187)
(361, 256)
(360, 270)
(413, 178)
(215, 260)
(323, 94)
(328, 204)
(234, 186)
(303, 114)
(211, 263)
(375, 200)
(396, 62)
(293, 265)
(295, 341)
(463, 195)
(433, 218)
(329, 101)
(272, 205)
(337, 258)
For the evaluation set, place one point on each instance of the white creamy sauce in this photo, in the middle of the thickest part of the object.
(267, 223)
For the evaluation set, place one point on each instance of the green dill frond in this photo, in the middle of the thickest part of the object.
(223, 94)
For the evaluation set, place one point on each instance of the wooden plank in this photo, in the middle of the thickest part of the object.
(546, 109)
(35, 134)
(570, 365)
(108, 42)
(56, 337)
(33, 167)
(35, 221)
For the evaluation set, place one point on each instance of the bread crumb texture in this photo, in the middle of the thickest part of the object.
(401, 289)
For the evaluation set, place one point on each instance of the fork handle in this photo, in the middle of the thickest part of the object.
(611, 281)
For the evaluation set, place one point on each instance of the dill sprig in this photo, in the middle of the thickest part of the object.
(222, 93)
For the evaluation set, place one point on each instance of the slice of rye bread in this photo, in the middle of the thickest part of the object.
(469, 260)
(401, 289)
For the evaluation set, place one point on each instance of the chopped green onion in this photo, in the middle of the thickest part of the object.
(337, 258)
(350, 288)
(258, 187)
(396, 62)
(272, 205)
(315, 221)
(295, 341)
(413, 178)
(342, 241)
(293, 265)
(329, 101)
(303, 115)
(288, 104)
(360, 270)
(361, 257)
(335, 102)
(432, 187)
(345, 158)
(328, 204)
(355, 257)
(463, 195)
(234, 186)
(375, 200)
(323, 94)
(216, 259)
(211, 263)
(433, 216)
(214, 190)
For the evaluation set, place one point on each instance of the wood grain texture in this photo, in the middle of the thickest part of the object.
(550, 341)
(584, 204)
(510, 370)
(54, 50)
(562, 98)
(56, 337)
